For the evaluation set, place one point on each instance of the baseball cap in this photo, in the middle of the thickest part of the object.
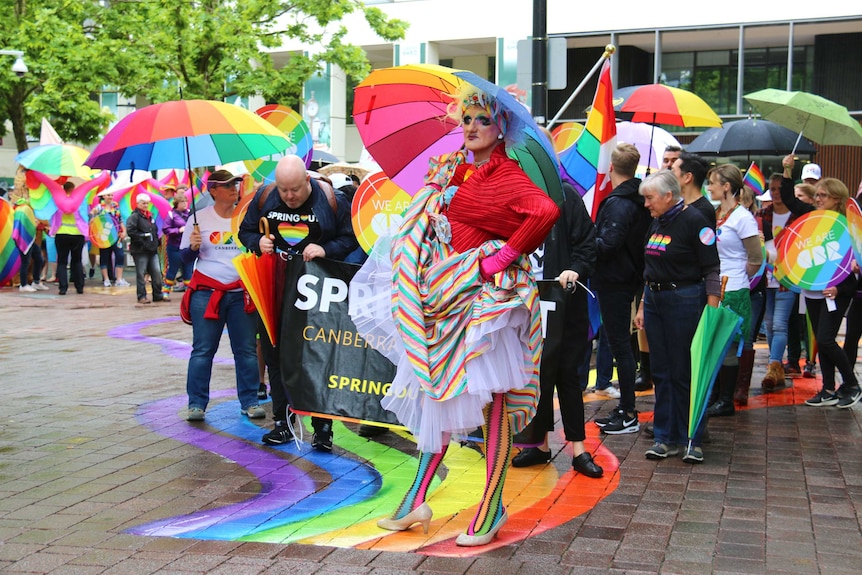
(811, 171)
(765, 196)
(338, 180)
(222, 177)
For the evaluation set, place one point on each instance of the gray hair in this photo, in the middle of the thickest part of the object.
(663, 182)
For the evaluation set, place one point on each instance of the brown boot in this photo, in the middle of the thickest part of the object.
(743, 382)
(774, 376)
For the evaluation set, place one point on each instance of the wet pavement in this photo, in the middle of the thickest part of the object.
(100, 473)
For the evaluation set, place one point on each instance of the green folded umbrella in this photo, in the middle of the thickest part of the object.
(715, 332)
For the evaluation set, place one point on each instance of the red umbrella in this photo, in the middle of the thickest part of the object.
(263, 278)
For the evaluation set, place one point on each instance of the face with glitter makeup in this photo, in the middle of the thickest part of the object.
(481, 133)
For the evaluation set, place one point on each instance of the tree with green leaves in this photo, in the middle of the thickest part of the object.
(210, 49)
(66, 70)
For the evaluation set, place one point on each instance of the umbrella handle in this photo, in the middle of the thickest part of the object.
(263, 226)
(723, 286)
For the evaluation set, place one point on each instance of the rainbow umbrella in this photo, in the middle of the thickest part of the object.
(716, 330)
(186, 134)
(291, 124)
(56, 160)
(661, 104)
(815, 251)
(401, 114)
(377, 207)
(10, 261)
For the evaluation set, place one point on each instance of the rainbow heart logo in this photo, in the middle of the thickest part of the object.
(293, 233)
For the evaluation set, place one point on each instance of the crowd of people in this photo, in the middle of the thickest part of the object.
(658, 253)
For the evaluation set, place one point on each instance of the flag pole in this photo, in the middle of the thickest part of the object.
(609, 50)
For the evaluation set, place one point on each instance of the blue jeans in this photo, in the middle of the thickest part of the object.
(670, 320)
(779, 306)
(148, 264)
(175, 264)
(206, 335)
(616, 331)
(604, 360)
(112, 258)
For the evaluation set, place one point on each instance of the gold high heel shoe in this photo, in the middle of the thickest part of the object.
(464, 540)
(421, 514)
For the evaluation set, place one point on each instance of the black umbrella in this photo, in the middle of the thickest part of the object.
(752, 136)
(319, 158)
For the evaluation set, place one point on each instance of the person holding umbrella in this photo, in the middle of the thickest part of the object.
(827, 307)
(214, 298)
(681, 268)
(468, 227)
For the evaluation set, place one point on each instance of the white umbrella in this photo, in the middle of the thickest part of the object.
(640, 135)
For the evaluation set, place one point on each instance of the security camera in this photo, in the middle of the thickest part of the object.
(19, 67)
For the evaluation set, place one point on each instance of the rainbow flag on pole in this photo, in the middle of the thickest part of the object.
(754, 179)
(586, 163)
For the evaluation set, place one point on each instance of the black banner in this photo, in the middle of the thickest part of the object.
(327, 367)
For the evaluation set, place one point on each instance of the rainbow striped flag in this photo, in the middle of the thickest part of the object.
(586, 163)
(24, 226)
(754, 179)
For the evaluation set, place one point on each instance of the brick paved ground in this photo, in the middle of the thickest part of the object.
(780, 491)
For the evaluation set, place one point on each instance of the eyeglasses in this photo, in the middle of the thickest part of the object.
(821, 195)
(232, 185)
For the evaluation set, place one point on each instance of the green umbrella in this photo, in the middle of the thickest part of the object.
(715, 332)
(819, 119)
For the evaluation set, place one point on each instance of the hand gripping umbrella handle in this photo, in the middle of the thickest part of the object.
(263, 226)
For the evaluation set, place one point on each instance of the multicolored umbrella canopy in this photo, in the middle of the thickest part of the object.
(291, 124)
(661, 104)
(819, 119)
(56, 160)
(216, 133)
(402, 117)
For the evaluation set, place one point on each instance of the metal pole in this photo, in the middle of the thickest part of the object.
(540, 60)
(740, 70)
(790, 58)
(609, 49)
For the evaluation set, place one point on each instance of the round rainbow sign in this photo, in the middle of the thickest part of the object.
(815, 251)
(377, 208)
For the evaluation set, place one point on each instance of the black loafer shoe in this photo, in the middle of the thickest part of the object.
(721, 408)
(531, 456)
(584, 464)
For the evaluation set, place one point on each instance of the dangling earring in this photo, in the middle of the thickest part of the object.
(500, 136)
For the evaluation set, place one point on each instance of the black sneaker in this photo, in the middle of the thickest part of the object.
(824, 398)
(603, 421)
(622, 423)
(848, 397)
(322, 438)
(261, 391)
(278, 436)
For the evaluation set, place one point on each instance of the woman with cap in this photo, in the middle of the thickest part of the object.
(215, 298)
(458, 264)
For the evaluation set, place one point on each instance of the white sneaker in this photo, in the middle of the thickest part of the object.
(40, 287)
(122, 283)
(609, 392)
(26, 288)
(107, 283)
